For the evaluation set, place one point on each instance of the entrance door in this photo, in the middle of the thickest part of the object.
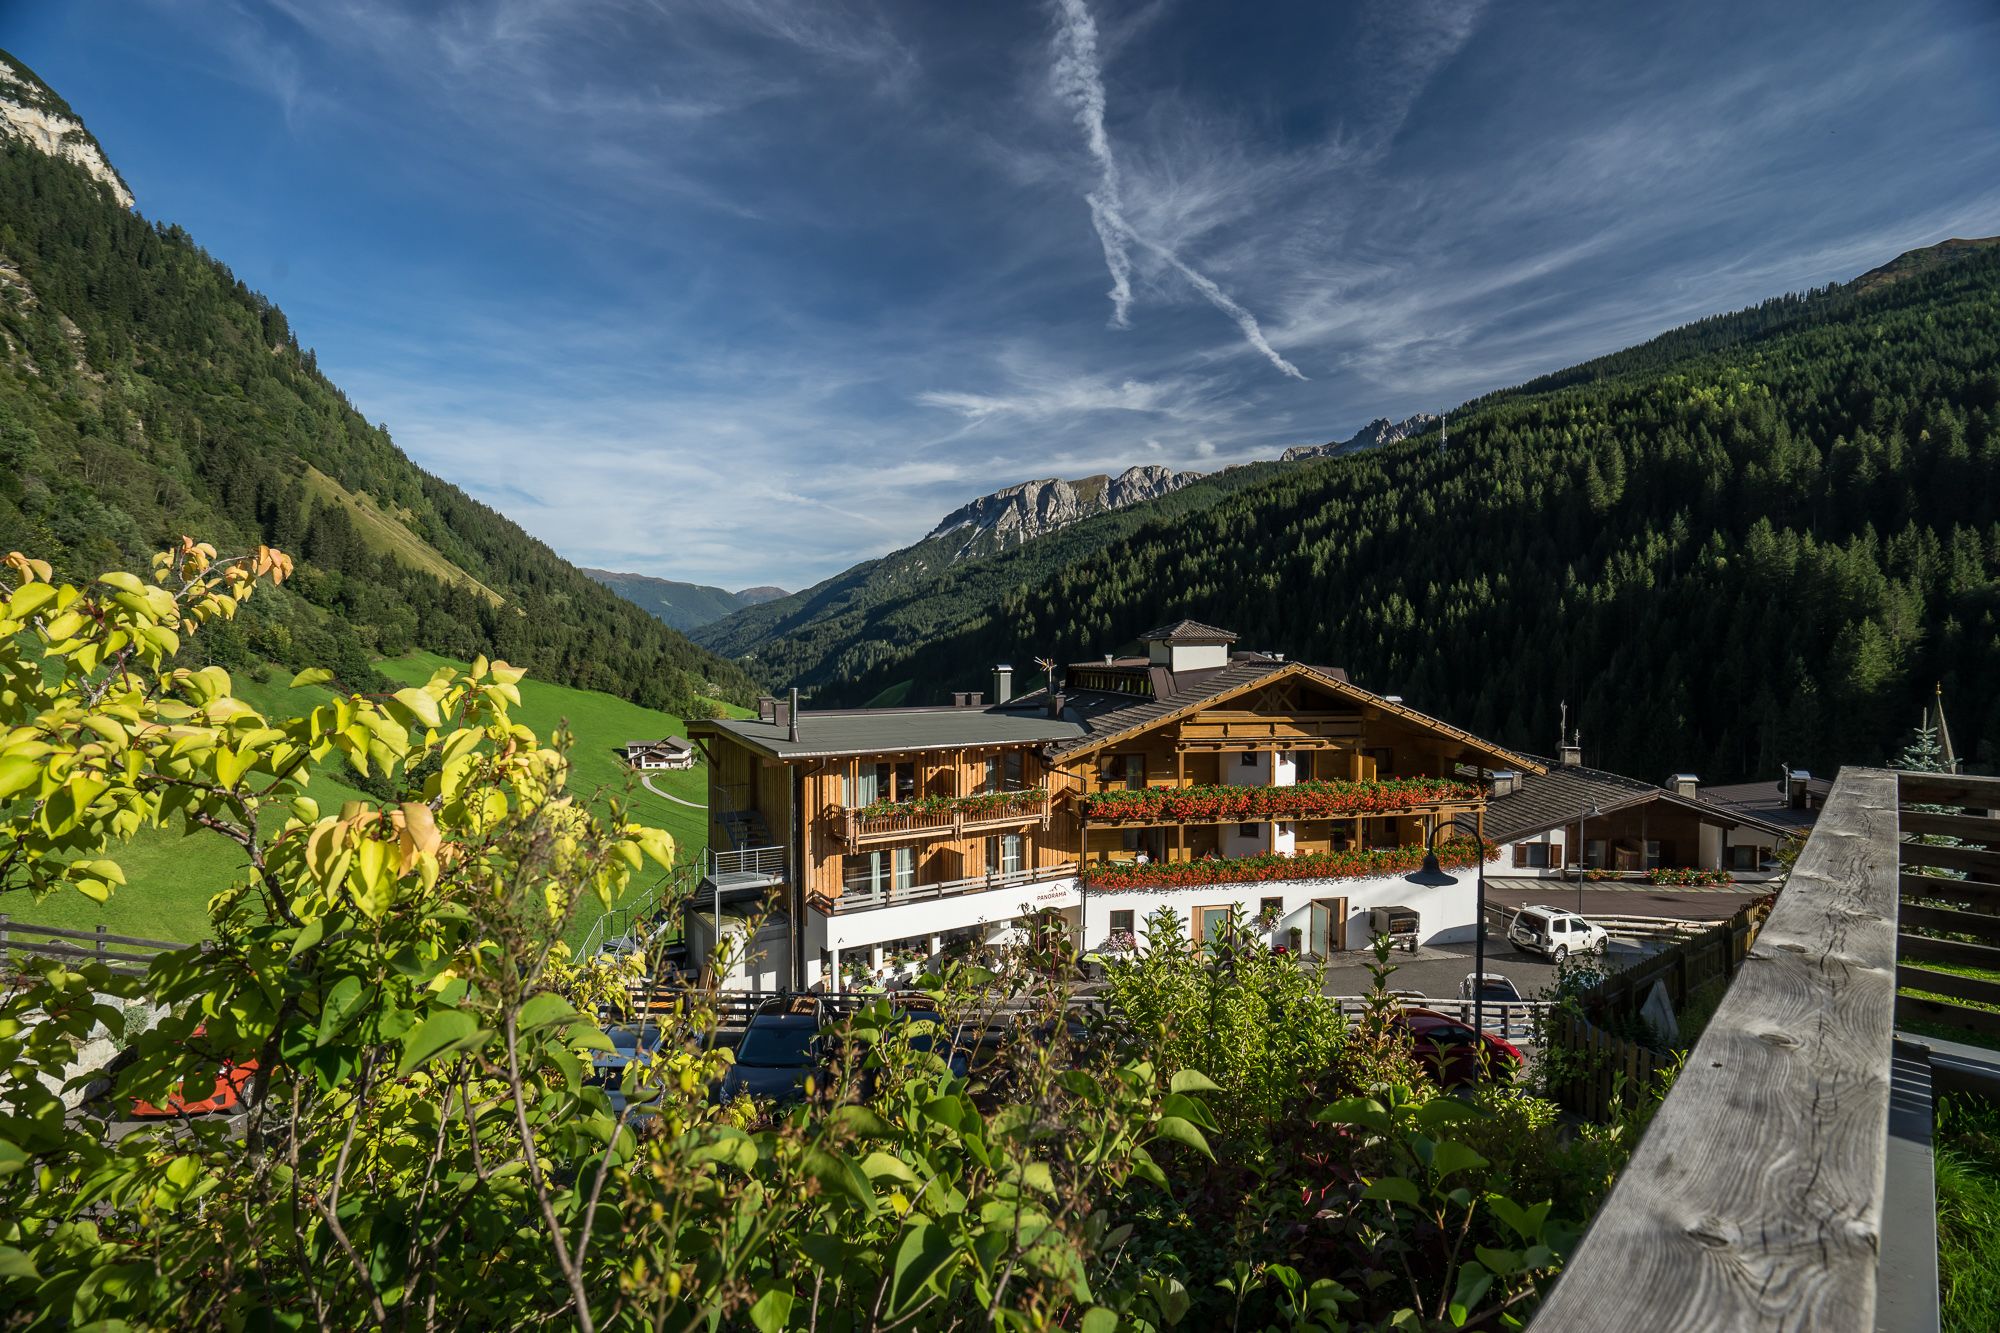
(1328, 933)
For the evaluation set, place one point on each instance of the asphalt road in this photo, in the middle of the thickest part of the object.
(1436, 970)
(1626, 899)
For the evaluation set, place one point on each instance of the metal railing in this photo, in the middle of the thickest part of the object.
(1512, 1019)
(862, 897)
(766, 862)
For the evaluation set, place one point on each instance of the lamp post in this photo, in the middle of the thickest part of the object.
(1432, 876)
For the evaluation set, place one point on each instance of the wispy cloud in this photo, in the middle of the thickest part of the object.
(1078, 80)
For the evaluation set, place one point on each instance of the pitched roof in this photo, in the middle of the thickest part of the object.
(1564, 792)
(1188, 631)
(891, 730)
(1189, 691)
(1764, 800)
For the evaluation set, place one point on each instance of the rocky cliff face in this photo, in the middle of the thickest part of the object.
(30, 110)
(1022, 513)
(1374, 435)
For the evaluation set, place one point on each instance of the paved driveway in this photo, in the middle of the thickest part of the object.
(1436, 970)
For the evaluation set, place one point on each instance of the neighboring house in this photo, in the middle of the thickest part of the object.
(1566, 819)
(905, 830)
(1793, 801)
(671, 752)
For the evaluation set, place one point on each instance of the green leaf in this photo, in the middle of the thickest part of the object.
(772, 1310)
(1182, 1131)
(838, 1174)
(1473, 1284)
(438, 1034)
(861, 1120)
(341, 1002)
(1451, 1155)
(1502, 1262)
(13, 1263)
(311, 676)
(17, 774)
(420, 703)
(12, 1158)
(1394, 1189)
(309, 935)
(543, 1009)
(887, 1166)
(1097, 1319)
(921, 1254)
(1363, 1111)
(1193, 1080)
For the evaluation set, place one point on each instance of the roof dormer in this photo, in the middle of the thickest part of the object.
(1187, 645)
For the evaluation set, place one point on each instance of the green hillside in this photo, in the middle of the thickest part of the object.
(685, 606)
(171, 878)
(145, 392)
(1758, 540)
(866, 619)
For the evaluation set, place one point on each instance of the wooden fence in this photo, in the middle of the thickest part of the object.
(1949, 914)
(1604, 1062)
(126, 954)
(1755, 1199)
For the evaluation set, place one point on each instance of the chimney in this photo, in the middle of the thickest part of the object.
(1572, 754)
(1684, 784)
(1506, 781)
(1798, 788)
(767, 708)
(1109, 659)
(958, 698)
(1056, 702)
(781, 714)
(1392, 698)
(1003, 684)
(976, 699)
(792, 714)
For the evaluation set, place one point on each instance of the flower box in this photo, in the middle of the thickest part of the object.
(1354, 863)
(1303, 800)
(977, 805)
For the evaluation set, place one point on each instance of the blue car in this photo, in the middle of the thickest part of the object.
(629, 1042)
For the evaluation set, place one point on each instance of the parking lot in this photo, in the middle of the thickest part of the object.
(1436, 970)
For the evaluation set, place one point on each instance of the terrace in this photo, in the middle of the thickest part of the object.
(1763, 1194)
(952, 817)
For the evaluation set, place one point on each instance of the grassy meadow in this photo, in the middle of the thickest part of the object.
(170, 878)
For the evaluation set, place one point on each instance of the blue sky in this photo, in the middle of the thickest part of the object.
(743, 293)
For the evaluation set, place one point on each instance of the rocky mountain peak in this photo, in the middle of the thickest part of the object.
(31, 111)
(1374, 435)
(1021, 513)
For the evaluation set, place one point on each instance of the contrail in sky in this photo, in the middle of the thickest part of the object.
(1079, 81)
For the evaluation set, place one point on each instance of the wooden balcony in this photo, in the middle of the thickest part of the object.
(951, 823)
(1291, 804)
(1785, 1182)
(1223, 729)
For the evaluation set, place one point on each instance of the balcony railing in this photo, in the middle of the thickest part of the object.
(953, 817)
(867, 897)
(744, 864)
(1295, 802)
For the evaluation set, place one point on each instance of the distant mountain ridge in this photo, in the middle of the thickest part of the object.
(31, 111)
(1034, 509)
(1374, 435)
(684, 606)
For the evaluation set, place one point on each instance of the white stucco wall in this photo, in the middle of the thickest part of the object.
(1447, 913)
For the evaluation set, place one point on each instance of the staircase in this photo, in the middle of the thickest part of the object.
(743, 828)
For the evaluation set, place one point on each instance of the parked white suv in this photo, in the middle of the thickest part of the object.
(1556, 934)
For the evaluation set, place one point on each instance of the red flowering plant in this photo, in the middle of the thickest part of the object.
(1026, 801)
(1352, 863)
(1303, 800)
(1685, 876)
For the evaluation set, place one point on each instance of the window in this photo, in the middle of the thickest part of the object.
(1006, 853)
(1122, 770)
(1249, 759)
(1272, 906)
(882, 782)
(1653, 854)
(1246, 830)
(1121, 922)
(1531, 855)
(1211, 924)
(881, 872)
(1594, 853)
(1748, 858)
(1003, 772)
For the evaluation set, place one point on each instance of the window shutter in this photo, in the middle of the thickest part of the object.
(1520, 854)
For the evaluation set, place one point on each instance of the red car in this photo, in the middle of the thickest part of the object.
(1454, 1053)
(225, 1096)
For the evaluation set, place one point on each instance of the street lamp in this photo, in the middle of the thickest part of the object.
(1433, 876)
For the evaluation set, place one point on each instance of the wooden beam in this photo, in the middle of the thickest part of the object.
(1964, 1017)
(1925, 949)
(1950, 789)
(1948, 983)
(1950, 890)
(1970, 828)
(1754, 1201)
(1954, 858)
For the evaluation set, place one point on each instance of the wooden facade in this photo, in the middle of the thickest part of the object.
(1292, 727)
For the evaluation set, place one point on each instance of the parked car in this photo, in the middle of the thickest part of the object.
(224, 1098)
(780, 1050)
(1555, 934)
(629, 1042)
(1488, 986)
(1454, 1054)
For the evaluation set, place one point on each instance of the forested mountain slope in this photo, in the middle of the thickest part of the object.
(874, 614)
(1757, 540)
(146, 393)
(684, 606)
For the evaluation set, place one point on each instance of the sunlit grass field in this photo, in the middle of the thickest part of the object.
(170, 878)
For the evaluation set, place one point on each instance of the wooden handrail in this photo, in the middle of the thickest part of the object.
(1754, 1201)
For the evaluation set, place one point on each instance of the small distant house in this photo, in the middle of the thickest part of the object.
(647, 756)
